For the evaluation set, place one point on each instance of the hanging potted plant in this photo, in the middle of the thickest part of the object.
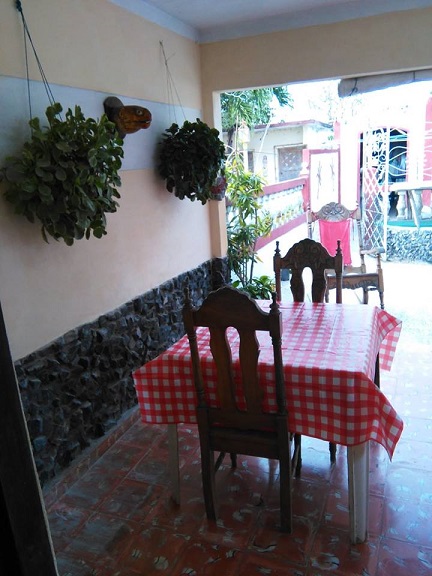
(67, 175)
(191, 160)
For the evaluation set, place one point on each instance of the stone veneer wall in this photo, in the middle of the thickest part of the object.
(409, 244)
(77, 387)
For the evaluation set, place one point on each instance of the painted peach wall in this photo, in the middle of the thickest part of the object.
(97, 45)
(392, 42)
(90, 49)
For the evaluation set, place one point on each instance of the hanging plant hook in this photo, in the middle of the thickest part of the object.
(42, 73)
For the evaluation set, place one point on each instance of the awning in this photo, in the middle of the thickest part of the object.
(362, 84)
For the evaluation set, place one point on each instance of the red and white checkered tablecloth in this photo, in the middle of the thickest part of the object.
(329, 353)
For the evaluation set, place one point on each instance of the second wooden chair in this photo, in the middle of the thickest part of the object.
(308, 254)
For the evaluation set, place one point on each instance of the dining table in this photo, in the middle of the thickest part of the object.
(332, 358)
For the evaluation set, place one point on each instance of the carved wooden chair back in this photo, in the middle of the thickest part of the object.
(335, 221)
(238, 425)
(308, 254)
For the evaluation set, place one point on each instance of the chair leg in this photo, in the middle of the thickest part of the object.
(285, 496)
(365, 295)
(332, 448)
(297, 459)
(233, 460)
(381, 297)
(219, 461)
(208, 470)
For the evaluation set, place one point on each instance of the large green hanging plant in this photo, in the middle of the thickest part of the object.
(67, 175)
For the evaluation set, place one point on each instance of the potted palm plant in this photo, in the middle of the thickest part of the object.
(66, 176)
(191, 160)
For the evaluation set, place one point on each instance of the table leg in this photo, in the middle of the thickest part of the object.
(358, 486)
(174, 470)
(402, 204)
(416, 205)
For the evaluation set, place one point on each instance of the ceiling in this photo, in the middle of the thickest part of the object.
(214, 20)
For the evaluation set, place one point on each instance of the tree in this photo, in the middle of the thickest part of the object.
(251, 107)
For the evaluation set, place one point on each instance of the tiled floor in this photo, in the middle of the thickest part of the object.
(113, 516)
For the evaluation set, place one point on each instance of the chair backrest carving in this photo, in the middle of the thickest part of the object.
(227, 308)
(334, 222)
(309, 254)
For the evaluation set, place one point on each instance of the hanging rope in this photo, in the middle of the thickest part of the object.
(26, 34)
(171, 85)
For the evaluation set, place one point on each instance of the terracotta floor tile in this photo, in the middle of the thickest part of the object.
(102, 540)
(411, 454)
(233, 527)
(409, 483)
(70, 565)
(141, 434)
(419, 429)
(409, 521)
(398, 558)
(256, 564)
(413, 403)
(271, 543)
(185, 518)
(190, 473)
(153, 551)
(120, 458)
(151, 469)
(91, 489)
(332, 552)
(64, 522)
(316, 465)
(133, 500)
(205, 559)
(248, 484)
(309, 498)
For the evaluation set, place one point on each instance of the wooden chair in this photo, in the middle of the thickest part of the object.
(239, 427)
(335, 222)
(309, 254)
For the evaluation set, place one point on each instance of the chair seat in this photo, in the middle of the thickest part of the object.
(350, 271)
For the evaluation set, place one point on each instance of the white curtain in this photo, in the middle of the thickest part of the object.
(362, 84)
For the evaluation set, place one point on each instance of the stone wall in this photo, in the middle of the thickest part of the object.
(76, 388)
(409, 244)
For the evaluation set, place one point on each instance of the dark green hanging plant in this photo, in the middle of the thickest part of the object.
(67, 175)
(191, 160)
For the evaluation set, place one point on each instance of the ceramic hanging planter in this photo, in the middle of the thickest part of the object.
(219, 187)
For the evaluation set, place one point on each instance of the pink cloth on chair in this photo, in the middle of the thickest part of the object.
(331, 232)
